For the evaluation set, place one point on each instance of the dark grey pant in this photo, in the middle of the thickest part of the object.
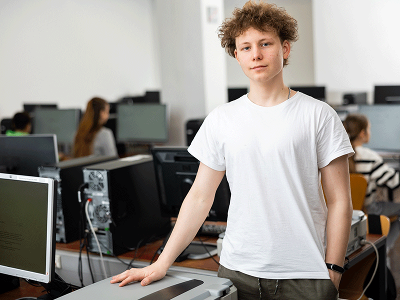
(252, 288)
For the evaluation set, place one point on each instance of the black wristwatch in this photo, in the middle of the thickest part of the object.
(335, 268)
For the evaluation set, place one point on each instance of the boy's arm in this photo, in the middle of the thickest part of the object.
(336, 183)
(192, 214)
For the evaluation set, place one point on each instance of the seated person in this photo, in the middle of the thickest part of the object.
(92, 138)
(21, 124)
(378, 174)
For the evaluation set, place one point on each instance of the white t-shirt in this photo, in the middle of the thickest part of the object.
(272, 156)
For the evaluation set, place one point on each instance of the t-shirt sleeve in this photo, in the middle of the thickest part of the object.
(205, 146)
(332, 140)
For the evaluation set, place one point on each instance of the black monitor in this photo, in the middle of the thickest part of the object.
(31, 107)
(152, 97)
(23, 155)
(142, 123)
(385, 126)
(176, 170)
(236, 93)
(61, 122)
(387, 94)
(317, 92)
(27, 218)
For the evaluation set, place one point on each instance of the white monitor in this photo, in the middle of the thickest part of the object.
(27, 219)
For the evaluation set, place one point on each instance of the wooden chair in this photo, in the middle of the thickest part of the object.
(358, 186)
(352, 283)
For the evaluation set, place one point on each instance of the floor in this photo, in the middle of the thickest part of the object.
(394, 257)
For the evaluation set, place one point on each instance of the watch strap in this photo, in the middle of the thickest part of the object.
(335, 268)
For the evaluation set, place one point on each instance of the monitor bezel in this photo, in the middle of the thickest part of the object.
(50, 232)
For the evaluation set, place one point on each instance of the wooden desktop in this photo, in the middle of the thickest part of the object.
(146, 253)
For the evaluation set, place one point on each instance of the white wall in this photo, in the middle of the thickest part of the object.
(67, 51)
(356, 45)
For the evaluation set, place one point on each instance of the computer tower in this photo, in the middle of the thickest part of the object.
(69, 176)
(192, 126)
(124, 206)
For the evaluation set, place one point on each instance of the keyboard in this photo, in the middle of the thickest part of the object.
(212, 228)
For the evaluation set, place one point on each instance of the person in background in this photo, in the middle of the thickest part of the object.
(378, 174)
(21, 124)
(277, 148)
(92, 138)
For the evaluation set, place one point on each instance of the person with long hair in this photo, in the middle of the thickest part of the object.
(92, 138)
(379, 175)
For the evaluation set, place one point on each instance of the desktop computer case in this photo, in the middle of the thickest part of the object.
(69, 176)
(124, 207)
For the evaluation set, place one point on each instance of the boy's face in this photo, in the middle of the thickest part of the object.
(261, 54)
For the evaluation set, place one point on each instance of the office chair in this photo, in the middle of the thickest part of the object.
(352, 283)
(358, 185)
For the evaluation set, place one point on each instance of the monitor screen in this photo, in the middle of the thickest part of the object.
(317, 92)
(387, 94)
(27, 218)
(142, 122)
(61, 122)
(23, 155)
(176, 170)
(385, 126)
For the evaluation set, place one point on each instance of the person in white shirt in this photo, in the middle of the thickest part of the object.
(378, 174)
(275, 146)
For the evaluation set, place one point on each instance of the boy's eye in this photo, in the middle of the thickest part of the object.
(265, 44)
(245, 48)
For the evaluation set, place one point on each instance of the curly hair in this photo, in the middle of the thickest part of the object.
(261, 16)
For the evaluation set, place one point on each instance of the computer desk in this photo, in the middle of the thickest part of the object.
(145, 254)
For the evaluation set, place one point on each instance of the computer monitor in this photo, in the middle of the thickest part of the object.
(31, 107)
(176, 170)
(317, 92)
(142, 123)
(387, 94)
(236, 93)
(385, 126)
(27, 218)
(23, 155)
(61, 122)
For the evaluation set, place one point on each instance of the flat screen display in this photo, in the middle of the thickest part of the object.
(27, 227)
(142, 122)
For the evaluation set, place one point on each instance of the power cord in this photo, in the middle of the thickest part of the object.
(95, 237)
(364, 242)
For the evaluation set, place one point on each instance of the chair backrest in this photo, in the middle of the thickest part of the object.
(384, 223)
(358, 185)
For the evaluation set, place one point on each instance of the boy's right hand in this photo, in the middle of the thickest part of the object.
(145, 275)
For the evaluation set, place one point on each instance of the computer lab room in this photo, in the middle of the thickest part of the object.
(72, 219)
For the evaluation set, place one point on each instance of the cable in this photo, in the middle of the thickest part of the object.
(95, 237)
(205, 247)
(363, 242)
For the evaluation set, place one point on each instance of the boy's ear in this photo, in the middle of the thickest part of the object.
(235, 52)
(286, 49)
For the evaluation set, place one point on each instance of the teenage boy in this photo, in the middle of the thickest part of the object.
(275, 146)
